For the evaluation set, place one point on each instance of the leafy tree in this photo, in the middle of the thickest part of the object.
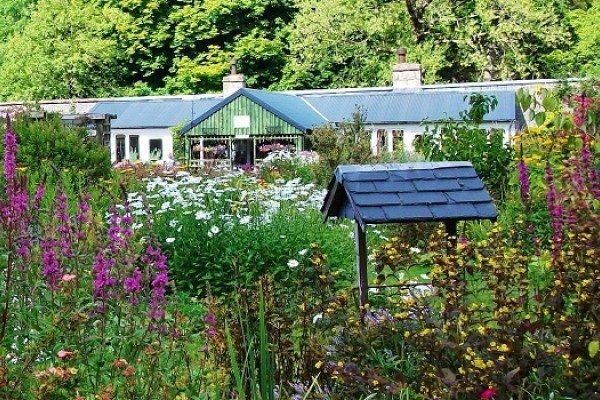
(489, 39)
(146, 41)
(207, 34)
(63, 52)
(337, 43)
(582, 58)
(13, 16)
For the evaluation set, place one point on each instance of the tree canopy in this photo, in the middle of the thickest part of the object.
(77, 48)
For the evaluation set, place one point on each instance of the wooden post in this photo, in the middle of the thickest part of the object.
(361, 264)
(451, 231)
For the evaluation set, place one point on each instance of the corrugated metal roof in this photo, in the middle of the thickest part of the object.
(410, 192)
(414, 106)
(154, 113)
(308, 111)
(290, 108)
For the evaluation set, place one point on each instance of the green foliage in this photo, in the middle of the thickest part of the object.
(465, 140)
(142, 47)
(64, 51)
(271, 330)
(269, 225)
(46, 144)
(13, 15)
(337, 43)
(348, 143)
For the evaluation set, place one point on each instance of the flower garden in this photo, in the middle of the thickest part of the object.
(229, 286)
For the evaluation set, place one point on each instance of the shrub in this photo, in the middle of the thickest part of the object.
(46, 144)
(347, 144)
(465, 140)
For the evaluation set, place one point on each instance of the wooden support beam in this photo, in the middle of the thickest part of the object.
(360, 238)
(451, 230)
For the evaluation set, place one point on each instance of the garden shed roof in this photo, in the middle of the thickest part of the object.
(290, 108)
(409, 192)
(154, 113)
(405, 107)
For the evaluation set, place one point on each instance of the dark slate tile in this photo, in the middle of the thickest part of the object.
(470, 183)
(394, 186)
(360, 187)
(454, 211)
(442, 185)
(372, 214)
(407, 213)
(411, 174)
(457, 172)
(486, 210)
(375, 199)
(469, 196)
(424, 198)
(366, 176)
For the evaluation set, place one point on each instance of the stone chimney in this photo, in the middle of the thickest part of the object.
(405, 75)
(233, 81)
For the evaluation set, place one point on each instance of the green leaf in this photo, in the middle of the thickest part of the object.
(593, 348)
(540, 118)
(550, 103)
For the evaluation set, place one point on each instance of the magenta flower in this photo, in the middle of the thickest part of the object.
(132, 285)
(157, 261)
(488, 393)
(524, 181)
(103, 281)
(50, 265)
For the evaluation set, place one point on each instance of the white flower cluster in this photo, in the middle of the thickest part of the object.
(221, 201)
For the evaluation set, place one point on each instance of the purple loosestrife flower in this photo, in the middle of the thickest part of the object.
(589, 170)
(50, 264)
(82, 215)
(579, 115)
(211, 321)
(524, 181)
(64, 224)
(10, 159)
(114, 231)
(157, 261)
(132, 285)
(103, 281)
(8, 210)
(39, 195)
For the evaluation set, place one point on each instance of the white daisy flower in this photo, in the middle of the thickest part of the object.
(293, 263)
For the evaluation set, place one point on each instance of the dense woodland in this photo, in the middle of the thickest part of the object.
(95, 48)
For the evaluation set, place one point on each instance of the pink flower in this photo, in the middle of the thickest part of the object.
(488, 393)
(68, 277)
(62, 354)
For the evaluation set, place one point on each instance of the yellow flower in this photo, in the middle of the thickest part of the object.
(318, 364)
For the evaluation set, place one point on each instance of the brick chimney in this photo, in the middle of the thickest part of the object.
(405, 75)
(233, 81)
